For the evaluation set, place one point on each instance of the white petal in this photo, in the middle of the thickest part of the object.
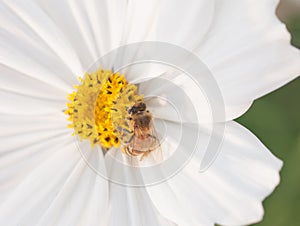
(14, 81)
(41, 24)
(83, 200)
(33, 79)
(140, 20)
(11, 125)
(25, 95)
(25, 173)
(14, 103)
(24, 144)
(244, 45)
(42, 167)
(161, 22)
(54, 181)
(229, 192)
(181, 98)
(184, 23)
(129, 205)
(248, 51)
(169, 21)
(25, 51)
(132, 206)
(91, 27)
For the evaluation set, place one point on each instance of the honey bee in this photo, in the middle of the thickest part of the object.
(143, 140)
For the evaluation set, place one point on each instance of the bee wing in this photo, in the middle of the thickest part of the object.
(146, 148)
(132, 145)
(156, 153)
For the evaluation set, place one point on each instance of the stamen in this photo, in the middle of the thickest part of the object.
(100, 106)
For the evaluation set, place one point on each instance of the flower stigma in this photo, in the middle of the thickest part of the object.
(100, 109)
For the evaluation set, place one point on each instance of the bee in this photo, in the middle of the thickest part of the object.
(143, 140)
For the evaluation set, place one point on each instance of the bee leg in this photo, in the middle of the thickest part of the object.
(127, 151)
(152, 136)
(145, 154)
(142, 157)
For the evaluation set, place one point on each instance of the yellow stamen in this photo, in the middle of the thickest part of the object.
(100, 106)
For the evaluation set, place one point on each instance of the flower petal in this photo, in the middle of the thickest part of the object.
(14, 125)
(83, 199)
(14, 103)
(43, 26)
(33, 79)
(161, 22)
(169, 21)
(184, 23)
(129, 205)
(180, 98)
(248, 51)
(246, 48)
(17, 82)
(132, 206)
(34, 149)
(25, 95)
(95, 36)
(25, 173)
(73, 187)
(229, 192)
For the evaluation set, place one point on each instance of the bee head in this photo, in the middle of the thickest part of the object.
(140, 107)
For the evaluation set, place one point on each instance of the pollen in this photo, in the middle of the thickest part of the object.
(98, 108)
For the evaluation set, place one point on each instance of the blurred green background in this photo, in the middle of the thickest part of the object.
(275, 120)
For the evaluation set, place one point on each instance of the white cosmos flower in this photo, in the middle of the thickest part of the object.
(45, 45)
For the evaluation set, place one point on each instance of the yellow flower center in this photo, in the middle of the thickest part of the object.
(99, 108)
